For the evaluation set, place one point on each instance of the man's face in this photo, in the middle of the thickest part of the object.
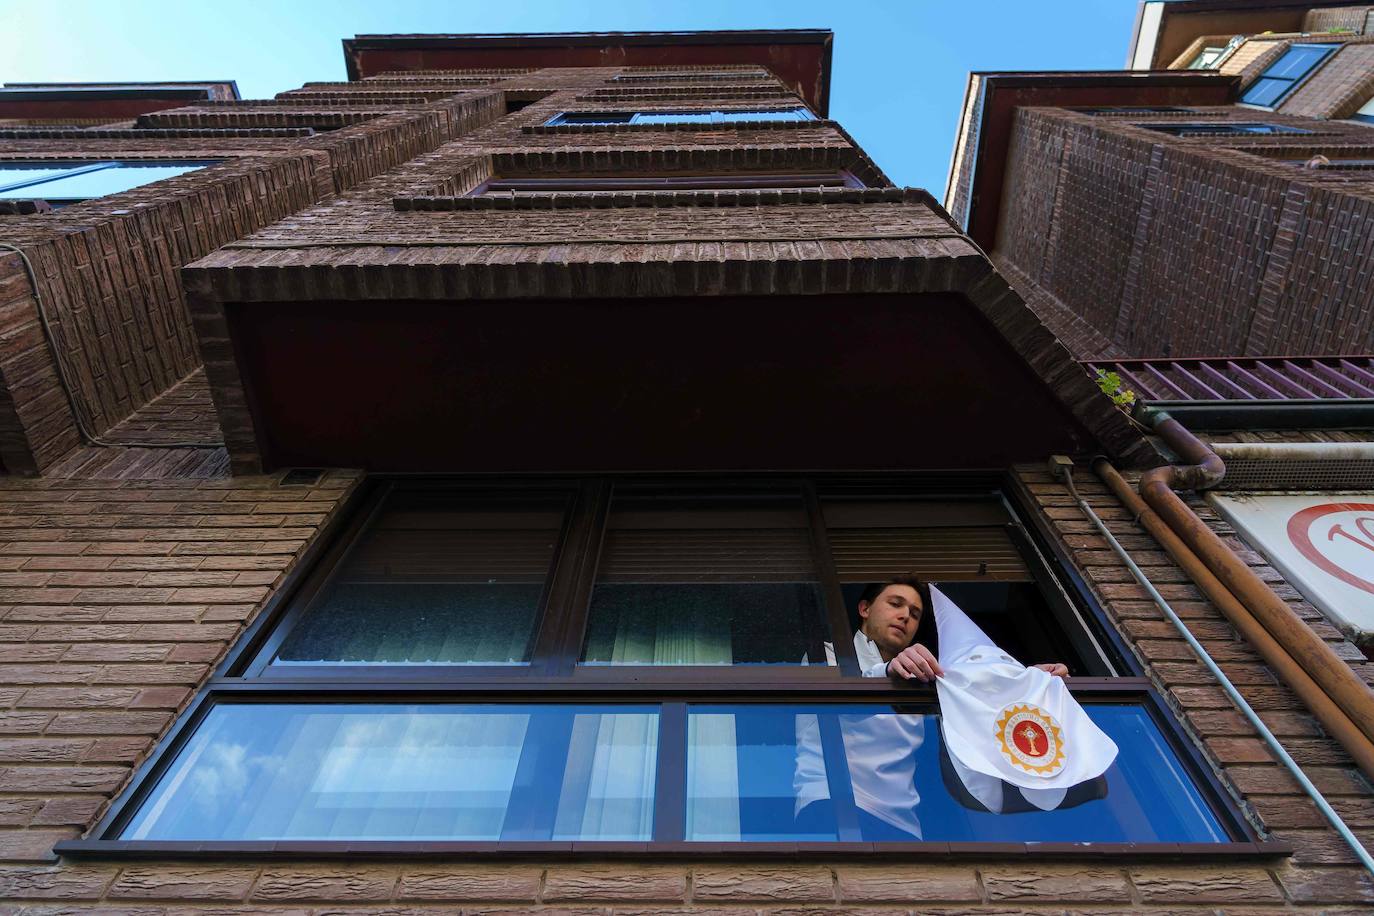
(890, 621)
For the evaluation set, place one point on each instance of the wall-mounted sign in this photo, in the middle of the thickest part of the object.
(1323, 543)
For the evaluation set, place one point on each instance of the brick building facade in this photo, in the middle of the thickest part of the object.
(517, 276)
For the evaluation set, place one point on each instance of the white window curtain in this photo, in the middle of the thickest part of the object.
(608, 787)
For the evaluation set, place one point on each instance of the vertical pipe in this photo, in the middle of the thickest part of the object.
(1245, 708)
(1332, 718)
(1204, 469)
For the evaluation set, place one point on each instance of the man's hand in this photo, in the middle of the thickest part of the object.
(1055, 669)
(915, 662)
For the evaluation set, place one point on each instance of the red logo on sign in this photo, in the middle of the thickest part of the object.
(1337, 546)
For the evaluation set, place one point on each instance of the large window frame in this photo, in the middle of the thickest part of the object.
(78, 167)
(555, 677)
(1279, 76)
(1223, 128)
(687, 181)
(708, 117)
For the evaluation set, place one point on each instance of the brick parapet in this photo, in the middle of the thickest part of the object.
(1196, 245)
(107, 268)
(106, 274)
(1332, 18)
(599, 200)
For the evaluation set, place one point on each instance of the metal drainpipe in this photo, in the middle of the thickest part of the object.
(1310, 651)
(1332, 718)
(1064, 472)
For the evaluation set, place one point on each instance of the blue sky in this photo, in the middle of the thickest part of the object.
(900, 66)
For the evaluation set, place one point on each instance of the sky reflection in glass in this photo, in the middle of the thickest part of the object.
(384, 772)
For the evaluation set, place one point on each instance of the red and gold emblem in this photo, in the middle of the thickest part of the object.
(1031, 739)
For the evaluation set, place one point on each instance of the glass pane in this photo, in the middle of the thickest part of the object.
(593, 117)
(1297, 61)
(435, 580)
(687, 580)
(26, 172)
(121, 177)
(1266, 91)
(1206, 59)
(817, 773)
(436, 772)
(788, 114)
(673, 117)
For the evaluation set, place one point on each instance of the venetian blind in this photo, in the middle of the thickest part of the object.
(939, 541)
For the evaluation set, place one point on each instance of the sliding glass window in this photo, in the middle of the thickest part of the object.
(597, 664)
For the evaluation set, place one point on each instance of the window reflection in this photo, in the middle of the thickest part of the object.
(705, 116)
(791, 773)
(377, 772)
(77, 181)
(762, 773)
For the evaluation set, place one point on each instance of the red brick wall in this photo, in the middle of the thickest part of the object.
(108, 269)
(1339, 88)
(119, 596)
(1193, 246)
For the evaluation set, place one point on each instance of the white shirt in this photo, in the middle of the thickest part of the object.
(881, 750)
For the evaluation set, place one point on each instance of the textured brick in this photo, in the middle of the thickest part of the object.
(356, 883)
(186, 882)
(900, 882)
(613, 883)
(1203, 885)
(471, 883)
(1058, 883)
(1130, 241)
(1326, 885)
(84, 882)
(751, 882)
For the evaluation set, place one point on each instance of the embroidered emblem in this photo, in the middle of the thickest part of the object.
(1031, 739)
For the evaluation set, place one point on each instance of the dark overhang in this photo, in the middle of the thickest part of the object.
(973, 195)
(106, 100)
(789, 387)
(1163, 30)
(799, 57)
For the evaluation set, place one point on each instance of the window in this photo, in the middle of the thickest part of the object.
(62, 183)
(626, 660)
(1284, 74)
(1207, 58)
(518, 187)
(1366, 112)
(1223, 129)
(681, 117)
(1211, 56)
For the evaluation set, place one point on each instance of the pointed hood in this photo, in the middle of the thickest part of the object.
(959, 635)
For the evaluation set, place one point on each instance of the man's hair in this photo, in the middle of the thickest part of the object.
(911, 580)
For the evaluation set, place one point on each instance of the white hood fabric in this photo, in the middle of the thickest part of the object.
(1008, 727)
